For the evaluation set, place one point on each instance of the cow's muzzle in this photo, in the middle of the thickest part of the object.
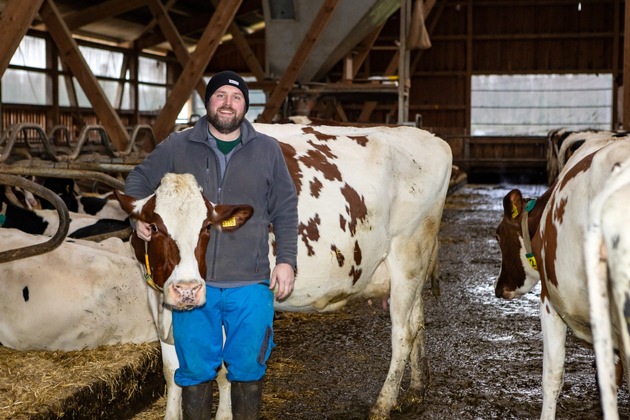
(185, 295)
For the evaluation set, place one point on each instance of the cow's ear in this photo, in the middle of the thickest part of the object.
(513, 204)
(126, 201)
(231, 217)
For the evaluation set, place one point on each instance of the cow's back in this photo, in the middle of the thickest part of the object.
(563, 227)
(80, 295)
(361, 190)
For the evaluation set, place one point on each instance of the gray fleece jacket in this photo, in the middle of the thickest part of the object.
(254, 173)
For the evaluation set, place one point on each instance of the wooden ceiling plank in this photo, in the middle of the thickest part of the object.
(196, 66)
(70, 55)
(190, 26)
(14, 23)
(101, 11)
(244, 49)
(172, 35)
(370, 106)
(246, 52)
(364, 50)
(297, 62)
(152, 24)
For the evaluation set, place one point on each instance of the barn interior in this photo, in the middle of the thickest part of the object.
(89, 87)
(429, 64)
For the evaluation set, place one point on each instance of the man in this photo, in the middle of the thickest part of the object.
(233, 163)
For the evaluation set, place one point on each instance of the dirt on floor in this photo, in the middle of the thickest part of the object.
(485, 354)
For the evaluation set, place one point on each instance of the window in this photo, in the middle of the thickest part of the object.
(535, 104)
(26, 86)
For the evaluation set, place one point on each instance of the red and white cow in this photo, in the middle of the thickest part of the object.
(562, 143)
(370, 205)
(607, 256)
(543, 240)
(81, 295)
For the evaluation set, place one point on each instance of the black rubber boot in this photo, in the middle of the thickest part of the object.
(197, 401)
(246, 400)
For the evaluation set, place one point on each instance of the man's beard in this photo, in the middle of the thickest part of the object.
(225, 126)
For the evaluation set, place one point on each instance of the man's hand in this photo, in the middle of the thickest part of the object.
(284, 277)
(143, 230)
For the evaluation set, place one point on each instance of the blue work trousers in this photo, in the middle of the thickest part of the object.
(246, 313)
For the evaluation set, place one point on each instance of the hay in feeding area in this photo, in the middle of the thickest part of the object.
(108, 381)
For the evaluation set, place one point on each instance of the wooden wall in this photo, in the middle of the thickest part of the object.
(500, 37)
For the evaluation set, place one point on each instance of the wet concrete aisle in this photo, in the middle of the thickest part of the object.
(485, 354)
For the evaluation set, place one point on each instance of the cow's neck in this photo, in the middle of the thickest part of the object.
(535, 216)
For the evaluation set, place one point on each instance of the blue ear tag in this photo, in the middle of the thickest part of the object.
(530, 205)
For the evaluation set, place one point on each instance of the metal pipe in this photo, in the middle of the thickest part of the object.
(62, 211)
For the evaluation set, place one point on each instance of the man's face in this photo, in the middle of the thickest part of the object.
(226, 109)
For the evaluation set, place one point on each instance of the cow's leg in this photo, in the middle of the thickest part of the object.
(224, 411)
(554, 332)
(173, 391)
(419, 361)
(407, 265)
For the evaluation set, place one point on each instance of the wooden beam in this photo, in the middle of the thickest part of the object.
(196, 66)
(14, 22)
(101, 11)
(369, 107)
(246, 51)
(242, 46)
(299, 59)
(70, 54)
(190, 26)
(363, 51)
(172, 35)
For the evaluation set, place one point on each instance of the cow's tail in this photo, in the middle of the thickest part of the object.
(599, 302)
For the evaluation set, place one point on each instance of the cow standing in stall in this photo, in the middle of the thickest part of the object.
(370, 205)
(607, 256)
(542, 240)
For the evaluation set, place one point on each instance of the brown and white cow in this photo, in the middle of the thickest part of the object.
(562, 143)
(607, 256)
(543, 241)
(81, 295)
(370, 204)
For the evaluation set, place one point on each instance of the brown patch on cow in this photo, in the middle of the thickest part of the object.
(342, 222)
(319, 135)
(556, 213)
(355, 273)
(361, 140)
(316, 187)
(356, 207)
(357, 253)
(338, 254)
(560, 210)
(319, 157)
(310, 233)
(581, 166)
(290, 157)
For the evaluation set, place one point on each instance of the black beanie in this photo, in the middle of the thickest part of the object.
(227, 78)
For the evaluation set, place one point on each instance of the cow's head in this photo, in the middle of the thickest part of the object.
(517, 276)
(180, 218)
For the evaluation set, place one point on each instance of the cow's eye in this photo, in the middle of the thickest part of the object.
(154, 228)
(208, 226)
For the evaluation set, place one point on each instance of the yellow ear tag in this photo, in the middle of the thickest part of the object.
(231, 222)
(532, 261)
(514, 211)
